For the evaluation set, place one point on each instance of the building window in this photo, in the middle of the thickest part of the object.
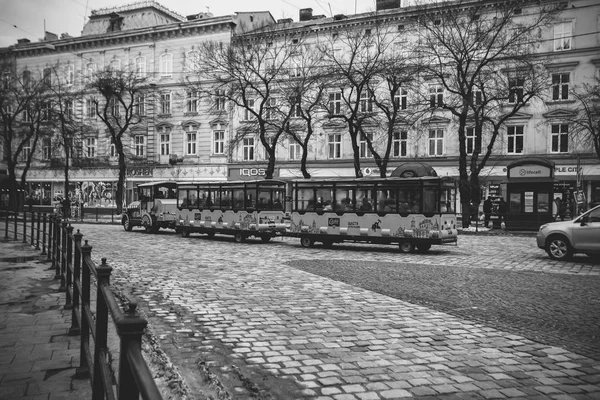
(295, 104)
(112, 151)
(436, 142)
(219, 142)
(192, 61)
(295, 149)
(26, 115)
(69, 107)
(90, 109)
(560, 138)
(515, 87)
(140, 67)
(115, 108)
(366, 102)
(47, 79)
(220, 100)
(139, 107)
(335, 145)
(115, 65)
(401, 99)
(165, 141)
(476, 97)
(515, 139)
(46, 113)
(190, 140)
(436, 96)
(70, 74)
(248, 114)
(166, 65)
(270, 108)
(560, 86)
(472, 142)
(46, 148)
(26, 78)
(365, 151)
(26, 151)
(6, 81)
(90, 147)
(192, 101)
(139, 142)
(562, 36)
(165, 103)
(90, 70)
(248, 149)
(400, 144)
(335, 103)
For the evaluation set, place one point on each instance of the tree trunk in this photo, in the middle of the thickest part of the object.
(120, 183)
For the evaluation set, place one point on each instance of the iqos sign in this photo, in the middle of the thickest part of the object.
(252, 171)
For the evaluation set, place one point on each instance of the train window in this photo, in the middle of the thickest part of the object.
(204, 198)
(387, 200)
(430, 199)
(365, 199)
(324, 199)
(305, 199)
(238, 199)
(344, 199)
(448, 199)
(224, 198)
(183, 198)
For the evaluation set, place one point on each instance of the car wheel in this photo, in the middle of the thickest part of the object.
(406, 247)
(127, 224)
(423, 247)
(558, 247)
(306, 241)
(239, 237)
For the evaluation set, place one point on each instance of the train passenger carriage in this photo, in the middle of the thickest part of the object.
(241, 209)
(415, 213)
(155, 209)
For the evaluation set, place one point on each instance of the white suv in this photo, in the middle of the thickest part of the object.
(581, 235)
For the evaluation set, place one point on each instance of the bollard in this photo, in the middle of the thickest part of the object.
(37, 236)
(131, 328)
(83, 371)
(103, 275)
(74, 329)
(24, 227)
(68, 266)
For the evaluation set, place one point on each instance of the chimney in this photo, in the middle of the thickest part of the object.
(285, 21)
(50, 36)
(23, 41)
(306, 14)
(64, 35)
(387, 4)
(339, 17)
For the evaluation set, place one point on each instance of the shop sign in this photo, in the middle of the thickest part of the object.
(529, 171)
(252, 171)
(567, 170)
(140, 171)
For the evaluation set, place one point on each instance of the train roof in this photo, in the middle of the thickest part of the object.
(150, 184)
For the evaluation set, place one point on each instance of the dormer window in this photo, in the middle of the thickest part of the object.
(115, 23)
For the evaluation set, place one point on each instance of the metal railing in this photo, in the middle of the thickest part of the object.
(73, 265)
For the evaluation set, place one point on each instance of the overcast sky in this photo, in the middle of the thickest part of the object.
(25, 18)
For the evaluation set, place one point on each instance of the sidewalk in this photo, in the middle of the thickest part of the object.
(38, 359)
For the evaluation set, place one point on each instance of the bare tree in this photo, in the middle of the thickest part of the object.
(481, 62)
(245, 74)
(23, 111)
(354, 57)
(585, 118)
(122, 97)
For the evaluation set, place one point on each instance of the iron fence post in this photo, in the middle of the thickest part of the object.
(130, 328)
(84, 369)
(56, 248)
(69, 266)
(6, 225)
(62, 260)
(44, 235)
(37, 233)
(50, 237)
(74, 329)
(32, 227)
(15, 223)
(24, 227)
(103, 274)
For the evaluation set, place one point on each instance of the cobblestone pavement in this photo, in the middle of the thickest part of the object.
(247, 317)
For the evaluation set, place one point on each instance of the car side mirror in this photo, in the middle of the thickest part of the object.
(584, 221)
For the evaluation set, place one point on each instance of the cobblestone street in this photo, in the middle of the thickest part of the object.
(493, 317)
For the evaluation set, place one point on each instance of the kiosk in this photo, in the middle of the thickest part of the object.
(530, 193)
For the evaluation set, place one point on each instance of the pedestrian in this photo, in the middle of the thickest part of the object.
(487, 210)
(66, 208)
(502, 210)
(557, 209)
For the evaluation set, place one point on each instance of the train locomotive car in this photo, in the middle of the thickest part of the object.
(155, 208)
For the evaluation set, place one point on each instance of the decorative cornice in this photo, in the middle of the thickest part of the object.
(565, 65)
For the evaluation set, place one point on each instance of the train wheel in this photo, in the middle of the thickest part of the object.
(423, 247)
(239, 237)
(306, 241)
(406, 247)
(265, 238)
(185, 233)
(211, 234)
(127, 223)
(327, 244)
